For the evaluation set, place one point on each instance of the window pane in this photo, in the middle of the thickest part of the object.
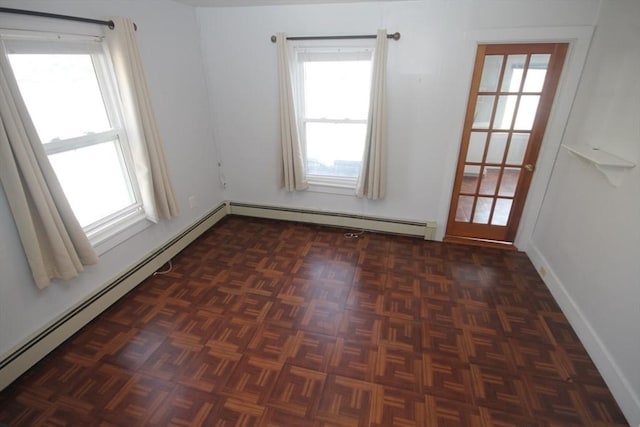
(536, 73)
(61, 93)
(476, 147)
(504, 112)
(93, 180)
(483, 210)
(496, 147)
(335, 149)
(337, 89)
(510, 177)
(517, 148)
(490, 73)
(501, 212)
(527, 112)
(463, 212)
(484, 108)
(489, 181)
(470, 179)
(513, 73)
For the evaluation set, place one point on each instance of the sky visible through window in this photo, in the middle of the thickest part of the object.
(61, 93)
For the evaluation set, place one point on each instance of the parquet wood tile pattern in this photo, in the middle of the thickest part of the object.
(266, 323)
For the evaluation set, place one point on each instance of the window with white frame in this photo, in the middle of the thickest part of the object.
(333, 90)
(69, 89)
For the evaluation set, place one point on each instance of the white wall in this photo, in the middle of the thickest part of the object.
(588, 236)
(429, 73)
(169, 42)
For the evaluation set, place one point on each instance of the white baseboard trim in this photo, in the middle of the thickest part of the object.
(425, 230)
(620, 387)
(18, 360)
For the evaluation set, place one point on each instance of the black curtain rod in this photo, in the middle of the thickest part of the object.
(109, 23)
(394, 36)
(56, 16)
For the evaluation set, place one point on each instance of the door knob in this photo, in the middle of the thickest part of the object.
(529, 167)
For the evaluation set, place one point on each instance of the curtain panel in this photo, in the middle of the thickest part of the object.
(150, 164)
(54, 243)
(371, 182)
(294, 175)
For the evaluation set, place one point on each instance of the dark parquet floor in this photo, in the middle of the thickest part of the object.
(266, 323)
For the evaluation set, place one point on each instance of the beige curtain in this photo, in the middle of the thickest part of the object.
(53, 241)
(371, 182)
(293, 160)
(151, 170)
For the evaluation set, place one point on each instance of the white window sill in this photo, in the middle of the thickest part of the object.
(119, 233)
(345, 189)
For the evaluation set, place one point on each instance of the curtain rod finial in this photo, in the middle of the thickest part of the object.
(273, 39)
(396, 36)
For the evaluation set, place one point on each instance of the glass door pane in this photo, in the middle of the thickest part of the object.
(513, 73)
(490, 73)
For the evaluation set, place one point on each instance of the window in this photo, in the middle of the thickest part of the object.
(334, 90)
(69, 90)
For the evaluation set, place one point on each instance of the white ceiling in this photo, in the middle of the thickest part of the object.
(223, 3)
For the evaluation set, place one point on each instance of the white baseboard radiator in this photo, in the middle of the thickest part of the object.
(425, 230)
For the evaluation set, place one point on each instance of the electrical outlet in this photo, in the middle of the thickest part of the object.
(193, 202)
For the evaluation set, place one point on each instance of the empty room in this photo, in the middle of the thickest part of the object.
(319, 213)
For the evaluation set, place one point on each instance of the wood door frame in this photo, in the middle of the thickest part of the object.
(505, 237)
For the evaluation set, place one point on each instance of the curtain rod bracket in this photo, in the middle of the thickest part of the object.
(394, 36)
(112, 26)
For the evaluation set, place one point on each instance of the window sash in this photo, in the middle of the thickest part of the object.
(104, 228)
(61, 145)
(324, 54)
(34, 42)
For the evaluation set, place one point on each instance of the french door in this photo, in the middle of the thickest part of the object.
(511, 95)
